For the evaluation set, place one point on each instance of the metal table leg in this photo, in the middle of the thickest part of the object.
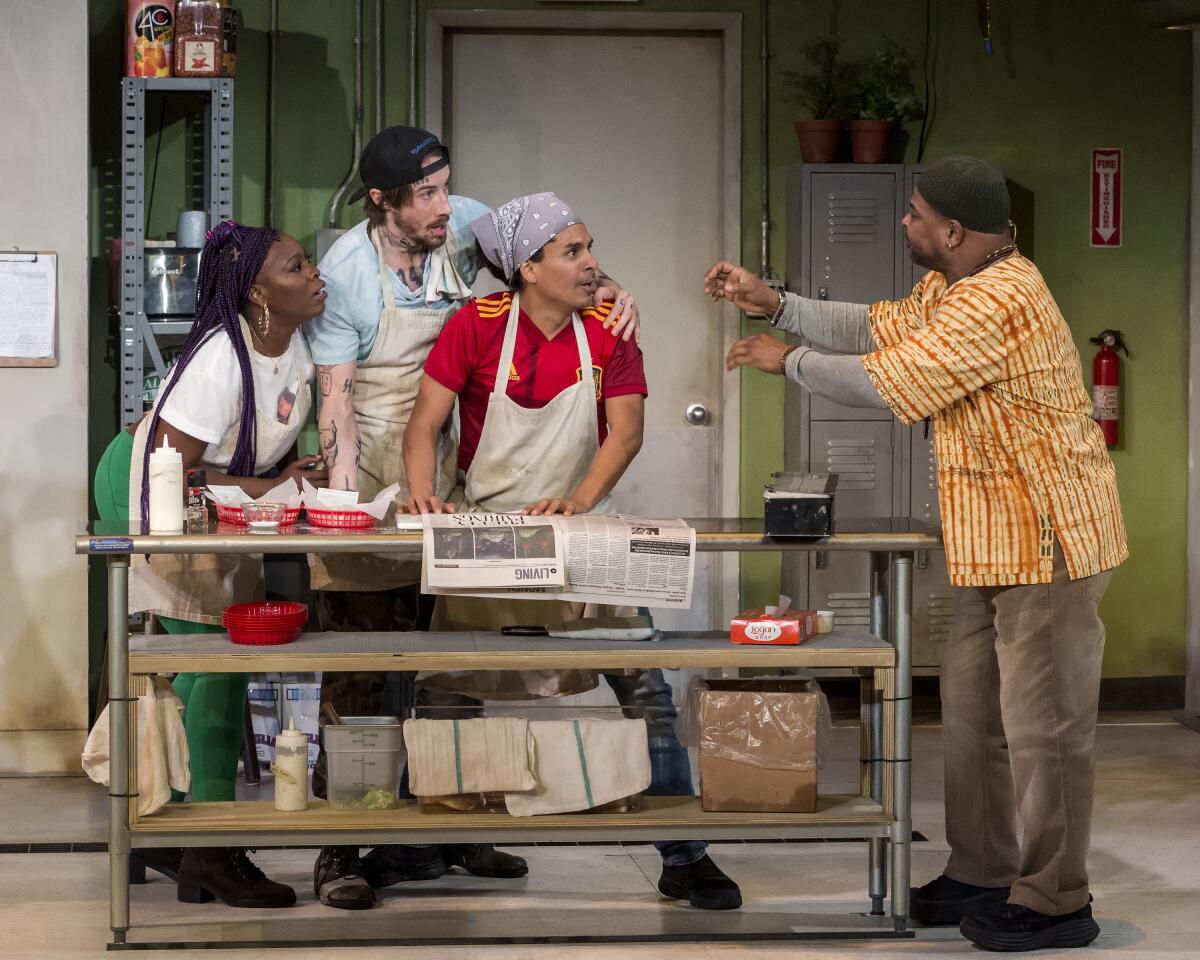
(901, 838)
(877, 870)
(118, 746)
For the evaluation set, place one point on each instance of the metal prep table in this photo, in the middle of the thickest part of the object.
(882, 656)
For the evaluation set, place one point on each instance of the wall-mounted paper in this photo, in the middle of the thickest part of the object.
(27, 306)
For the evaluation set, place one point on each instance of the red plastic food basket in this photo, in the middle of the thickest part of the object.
(345, 519)
(234, 515)
(265, 623)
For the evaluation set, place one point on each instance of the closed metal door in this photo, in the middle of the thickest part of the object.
(861, 454)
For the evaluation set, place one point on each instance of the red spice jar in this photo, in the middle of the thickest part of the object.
(198, 38)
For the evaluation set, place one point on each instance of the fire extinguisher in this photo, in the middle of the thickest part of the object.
(1106, 383)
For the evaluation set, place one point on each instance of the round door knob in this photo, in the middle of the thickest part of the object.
(696, 414)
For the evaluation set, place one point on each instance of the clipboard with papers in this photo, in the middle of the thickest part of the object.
(28, 308)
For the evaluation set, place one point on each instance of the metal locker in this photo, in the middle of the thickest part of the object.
(862, 454)
(933, 596)
(852, 248)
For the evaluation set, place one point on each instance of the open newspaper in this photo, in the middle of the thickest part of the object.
(592, 558)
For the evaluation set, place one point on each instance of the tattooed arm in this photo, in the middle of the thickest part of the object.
(340, 444)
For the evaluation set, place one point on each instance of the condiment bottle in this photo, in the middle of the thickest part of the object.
(166, 489)
(291, 770)
(197, 505)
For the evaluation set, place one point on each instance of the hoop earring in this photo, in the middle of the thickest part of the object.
(264, 322)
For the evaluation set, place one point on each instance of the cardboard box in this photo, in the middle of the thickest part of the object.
(786, 627)
(758, 746)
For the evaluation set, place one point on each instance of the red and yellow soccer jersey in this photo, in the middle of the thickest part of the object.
(467, 352)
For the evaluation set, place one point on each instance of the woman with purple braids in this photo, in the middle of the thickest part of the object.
(234, 403)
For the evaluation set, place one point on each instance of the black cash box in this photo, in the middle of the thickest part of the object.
(799, 505)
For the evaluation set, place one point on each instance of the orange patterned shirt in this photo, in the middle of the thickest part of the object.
(1020, 460)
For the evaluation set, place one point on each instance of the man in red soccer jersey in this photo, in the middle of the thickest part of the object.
(550, 409)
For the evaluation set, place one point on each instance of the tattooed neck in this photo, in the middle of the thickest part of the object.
(408, 259)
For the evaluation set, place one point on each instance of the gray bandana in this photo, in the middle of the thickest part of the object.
(516, 231)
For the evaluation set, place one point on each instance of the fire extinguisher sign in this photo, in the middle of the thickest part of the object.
(1106, 197)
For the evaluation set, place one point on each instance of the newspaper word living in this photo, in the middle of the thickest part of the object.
(596, 558)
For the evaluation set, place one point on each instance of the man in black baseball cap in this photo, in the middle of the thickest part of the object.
(391, 283)
(397, 157)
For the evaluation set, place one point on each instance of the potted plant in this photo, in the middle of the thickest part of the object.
(885, 98)
(822, 92)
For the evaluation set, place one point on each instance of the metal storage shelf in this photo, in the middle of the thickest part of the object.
(880, 813)
(663, 818)
(139, 336)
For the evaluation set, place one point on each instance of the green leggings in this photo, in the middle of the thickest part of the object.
(213, 703)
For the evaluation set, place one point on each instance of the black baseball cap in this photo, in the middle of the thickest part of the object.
(392, 158)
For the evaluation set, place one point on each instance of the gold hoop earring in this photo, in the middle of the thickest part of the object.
(264, 322)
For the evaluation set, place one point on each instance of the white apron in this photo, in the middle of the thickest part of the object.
(385, 392)
(198, 587)
(524, 455)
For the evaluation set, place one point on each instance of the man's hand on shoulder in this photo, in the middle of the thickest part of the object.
(623, 319)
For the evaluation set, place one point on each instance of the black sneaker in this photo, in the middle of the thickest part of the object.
(338, 879)
(483, 860)
(943, 902)
(1011, 927)
(384, 866)
(702, 884)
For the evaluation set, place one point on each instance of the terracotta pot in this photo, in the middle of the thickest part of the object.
(819, 139)
(871, 140)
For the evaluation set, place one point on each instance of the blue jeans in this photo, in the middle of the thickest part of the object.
(648, 695)
(645, 695)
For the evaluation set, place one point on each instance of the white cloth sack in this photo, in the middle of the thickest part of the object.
(583, 764)
(447, 757)
(162, 750)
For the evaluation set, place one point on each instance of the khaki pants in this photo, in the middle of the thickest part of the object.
(1020, 688)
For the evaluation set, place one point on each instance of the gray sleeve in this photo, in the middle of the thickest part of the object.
(841, 378)
(828, 325)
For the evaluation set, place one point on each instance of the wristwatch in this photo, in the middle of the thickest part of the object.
(778, 314)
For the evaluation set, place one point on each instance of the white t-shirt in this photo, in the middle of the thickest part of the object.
(207, 404)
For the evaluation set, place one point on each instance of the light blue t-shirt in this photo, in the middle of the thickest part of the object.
(346, 330)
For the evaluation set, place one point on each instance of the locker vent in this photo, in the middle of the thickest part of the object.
(854, 463)
(850, 610)
(853, 218)
(941, 613)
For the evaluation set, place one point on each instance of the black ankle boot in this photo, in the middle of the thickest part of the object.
(228, 875)
(164, 860)
(702, 884)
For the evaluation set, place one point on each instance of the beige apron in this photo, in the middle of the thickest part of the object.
(385, 392)
(524, 455)
(198, 587)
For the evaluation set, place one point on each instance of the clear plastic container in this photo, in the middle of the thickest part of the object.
(364, 757)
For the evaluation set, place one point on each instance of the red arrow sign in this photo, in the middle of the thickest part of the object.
(1106, 198)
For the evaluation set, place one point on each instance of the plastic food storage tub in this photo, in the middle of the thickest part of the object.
(364, 757)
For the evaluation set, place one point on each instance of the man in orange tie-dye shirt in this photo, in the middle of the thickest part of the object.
(1032, 526)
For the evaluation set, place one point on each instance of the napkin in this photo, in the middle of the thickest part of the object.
(347, 500)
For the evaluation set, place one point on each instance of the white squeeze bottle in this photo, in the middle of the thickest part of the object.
(166, 489)
(291, 770)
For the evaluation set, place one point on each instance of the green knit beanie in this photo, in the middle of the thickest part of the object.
(968, 190)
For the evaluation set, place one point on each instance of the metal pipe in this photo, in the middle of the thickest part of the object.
(412, 63)
(378, 65)
(272, 134)
(901, 839)
(118, 746)
(356, 148)
(764, 58)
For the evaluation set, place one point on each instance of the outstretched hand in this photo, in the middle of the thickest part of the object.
(727, 281)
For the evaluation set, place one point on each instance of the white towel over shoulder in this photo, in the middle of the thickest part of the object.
(492, 755)
(583, 764)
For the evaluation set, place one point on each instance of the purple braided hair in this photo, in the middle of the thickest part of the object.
(231, 259)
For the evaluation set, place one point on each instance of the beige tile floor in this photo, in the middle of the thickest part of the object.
(1145, 868)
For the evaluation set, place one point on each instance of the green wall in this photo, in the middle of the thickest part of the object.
(1066, 77)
